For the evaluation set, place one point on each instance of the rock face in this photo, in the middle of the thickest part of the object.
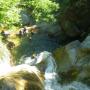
(26, 18)
(73, 60)
(74, 17)
(51, 29)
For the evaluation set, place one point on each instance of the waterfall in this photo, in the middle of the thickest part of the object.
(50, 74)
(50, 71)
(5, 56)
(5, 59)
(17, 77)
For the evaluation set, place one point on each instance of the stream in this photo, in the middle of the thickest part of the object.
(50, 73)
(46, 64)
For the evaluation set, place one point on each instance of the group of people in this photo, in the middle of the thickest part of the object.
(21, 32)
(25, 31)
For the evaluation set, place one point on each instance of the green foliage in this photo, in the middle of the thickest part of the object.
(42, 10)
(9, 12)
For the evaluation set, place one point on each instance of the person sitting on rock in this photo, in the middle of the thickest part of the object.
(5, 33)
(24, 30)
(33, 55)
(20, 33)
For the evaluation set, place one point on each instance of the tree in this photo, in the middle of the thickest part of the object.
(41, 10)
(9, 12)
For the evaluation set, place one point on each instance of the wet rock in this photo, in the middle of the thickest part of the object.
(66, 56)
(86, 42)
(76, 55)
(74, 16)
(71, 29)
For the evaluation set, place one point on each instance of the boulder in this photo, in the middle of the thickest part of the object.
(66, 56)
(70, 29)
(74, 60)
(26, 19)
(74, 17)
(49, 28)
(86, 42)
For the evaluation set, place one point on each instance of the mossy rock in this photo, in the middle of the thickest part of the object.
(62, 59)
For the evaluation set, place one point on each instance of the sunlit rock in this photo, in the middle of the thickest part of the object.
(22, 77)
(18, 77)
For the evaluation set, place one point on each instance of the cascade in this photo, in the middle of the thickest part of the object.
(50, 74)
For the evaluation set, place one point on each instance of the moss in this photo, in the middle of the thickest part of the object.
(69, 76)
(62, 59)
(86, 81)
(59, 53)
